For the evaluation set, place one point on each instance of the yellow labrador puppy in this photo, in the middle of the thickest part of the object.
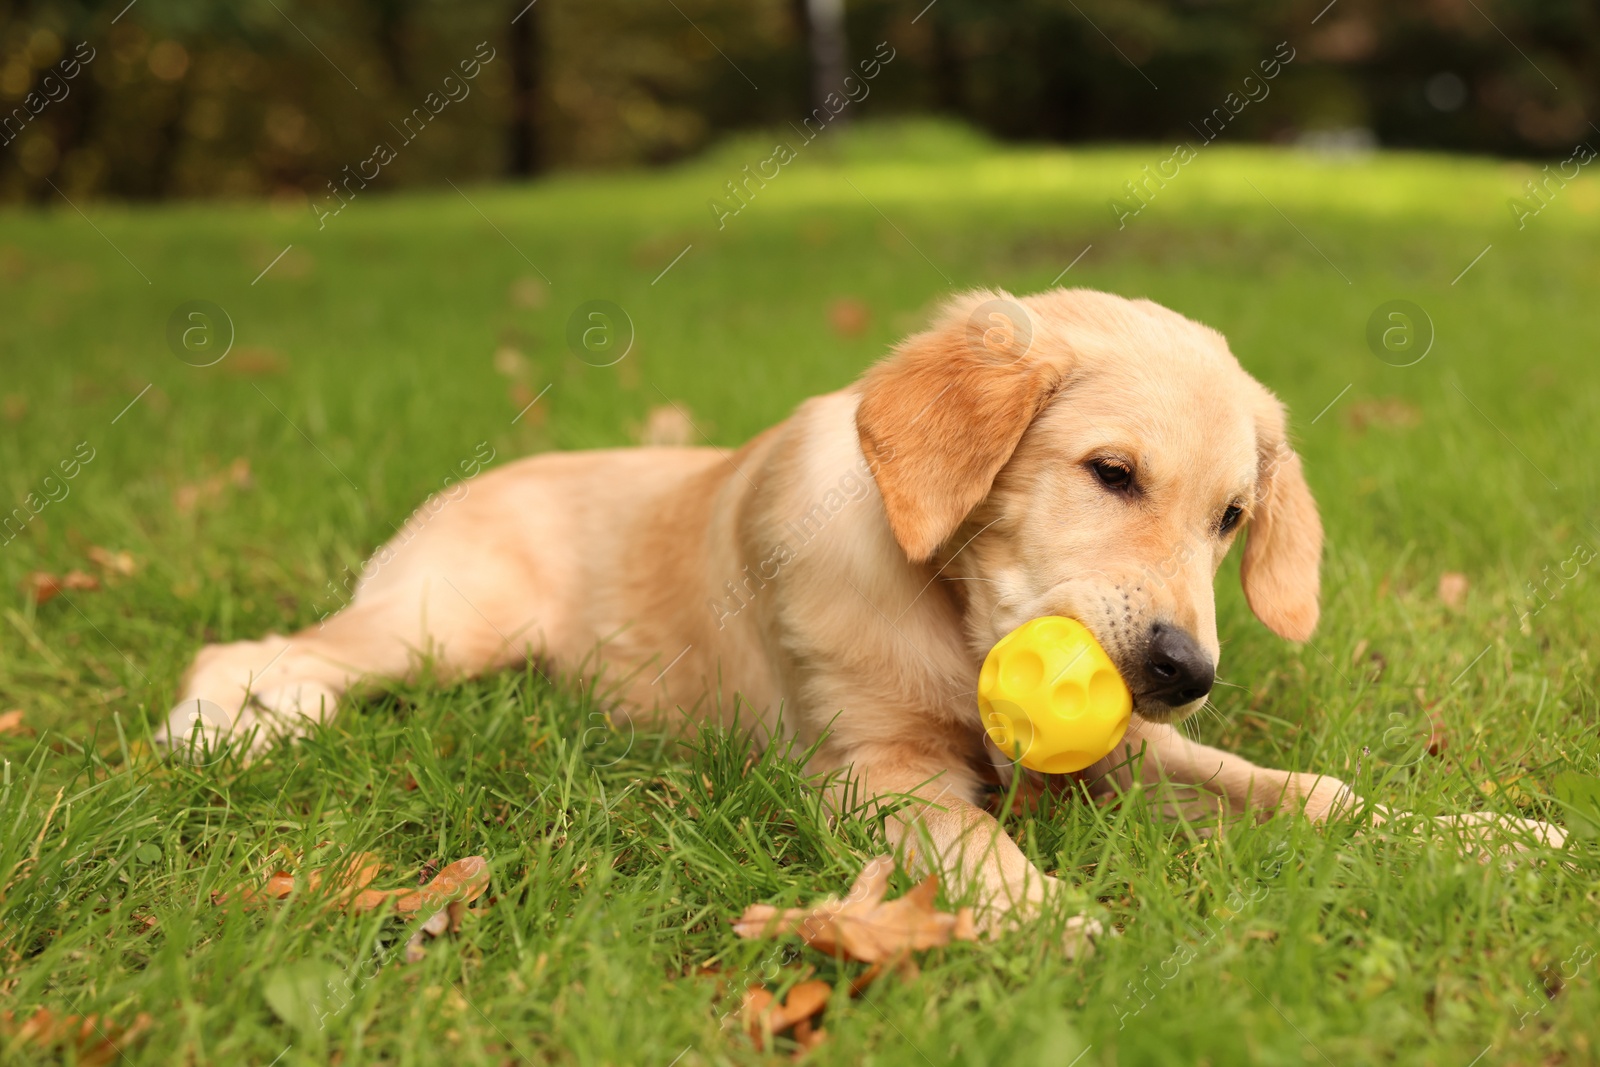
(1071, 453)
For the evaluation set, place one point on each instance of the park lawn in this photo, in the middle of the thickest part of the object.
(363, 373)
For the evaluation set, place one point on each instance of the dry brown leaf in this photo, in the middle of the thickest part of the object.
(356, 874)
(1453, 587)
(256, 361)
(807, 1037)
(11, 722)
(510, 363)
(762, 1015)
(112, 562)
(97, 1040)
(446, 920)
(860, 982)
(849, 317)
(186, 497)
(804, 1001)
(80, 580)
(752, 1012)
(1438, 737)
(655, 252)
(464, 880)
(862, 927)
(665, 424)
(458, 884)
(1386, 412)
(529, 292)
(351, 876)
(42, 586)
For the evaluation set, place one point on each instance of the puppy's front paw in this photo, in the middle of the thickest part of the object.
(1483, 834)
(1486, 834)
(1026, 907)
(291, 708)
(1080, 935)
(196, 730)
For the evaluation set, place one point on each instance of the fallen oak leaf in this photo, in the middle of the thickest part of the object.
(815, 925)
(665, 424)
(849, 317)
(444, 898)
(446, 920)
(429, 928)
(911, 922)
(186, 497)
(464, 880)
(804, 1001)
(120, 562)
(764, 1015)
(861, 927)
(351, 876)
(807, 1037)
(859, 984)
(96, 1039)
(80, 580)
(752, 1012)
(279, 885)
(42, 586)
(1438, 736)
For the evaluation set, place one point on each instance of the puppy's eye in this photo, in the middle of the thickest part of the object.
(1112, 475)
(1230, 519)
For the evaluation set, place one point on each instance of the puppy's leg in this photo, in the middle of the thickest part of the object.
(942, 831)
(1169, 757)
(468, 619)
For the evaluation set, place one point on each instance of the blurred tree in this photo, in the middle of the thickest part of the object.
(277, 97)
(826, 38)
(527, 78)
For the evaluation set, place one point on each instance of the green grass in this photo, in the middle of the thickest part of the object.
(363, 373)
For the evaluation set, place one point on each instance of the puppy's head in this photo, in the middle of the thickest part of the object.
(1075, 453)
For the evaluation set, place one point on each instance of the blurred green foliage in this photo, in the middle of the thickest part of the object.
(179, 98)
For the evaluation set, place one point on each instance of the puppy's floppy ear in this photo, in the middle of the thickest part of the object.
(941, 415)
(1283, 550)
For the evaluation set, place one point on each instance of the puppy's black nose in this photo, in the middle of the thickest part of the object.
(1179, 670)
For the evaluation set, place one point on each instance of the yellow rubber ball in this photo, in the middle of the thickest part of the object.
(1051, 698)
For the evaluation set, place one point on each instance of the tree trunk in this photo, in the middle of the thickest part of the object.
(527, 70)
(947, 72)
(827, 40)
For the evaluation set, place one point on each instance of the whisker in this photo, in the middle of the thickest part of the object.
(1207, 711)
(1222, 720)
